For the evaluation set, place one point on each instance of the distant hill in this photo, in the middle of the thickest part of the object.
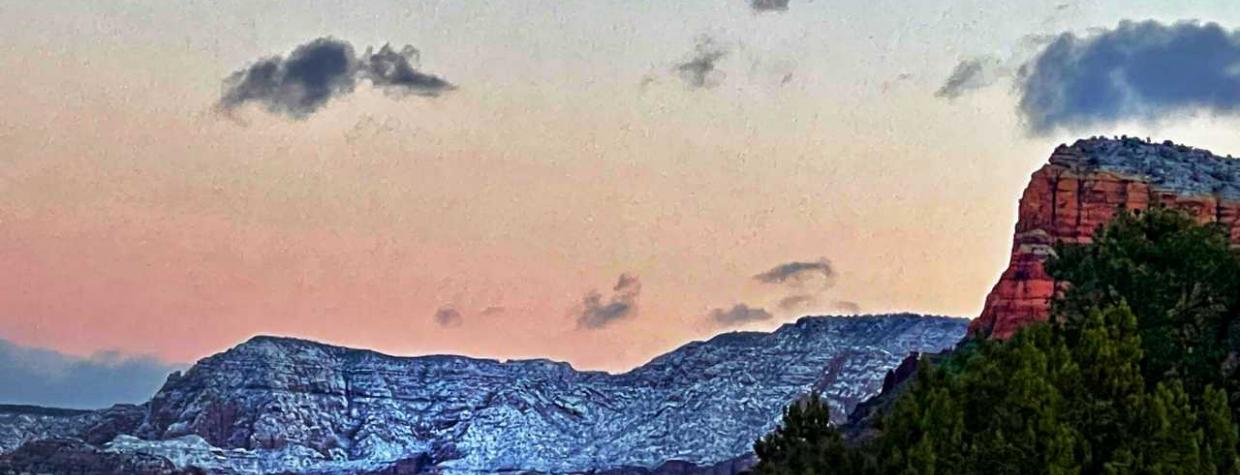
(276, 404)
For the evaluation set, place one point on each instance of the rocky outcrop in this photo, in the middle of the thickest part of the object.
(281, 405)
(20, 424)
(78, 457)
(1080, 189)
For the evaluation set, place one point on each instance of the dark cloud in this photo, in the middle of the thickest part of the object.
(318, 71)
(798, 273)
(768, 5)
(594, 313)
(313, 74)
(393, 71)
(971, 74)
(793, 302)
(701, 70)
(739, 314)
(448, 317)
(1136, 71)
(49, 378)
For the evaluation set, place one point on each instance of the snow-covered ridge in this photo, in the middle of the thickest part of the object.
(275, 404)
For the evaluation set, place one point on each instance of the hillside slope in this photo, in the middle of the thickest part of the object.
(279, 404)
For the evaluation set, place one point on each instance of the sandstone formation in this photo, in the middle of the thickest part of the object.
(1079, 190)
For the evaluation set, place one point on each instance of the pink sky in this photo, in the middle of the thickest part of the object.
(135, 217)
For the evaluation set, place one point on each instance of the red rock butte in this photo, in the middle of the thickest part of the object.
(1080, 189)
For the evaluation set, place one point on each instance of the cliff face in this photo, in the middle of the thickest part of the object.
(1080, 189)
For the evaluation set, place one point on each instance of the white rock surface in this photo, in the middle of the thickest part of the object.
(1166, 165)
(285, 405)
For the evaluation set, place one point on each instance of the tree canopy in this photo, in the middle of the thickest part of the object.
(1133, 375)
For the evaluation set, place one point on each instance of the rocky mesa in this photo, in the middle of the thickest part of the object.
(1081, 188)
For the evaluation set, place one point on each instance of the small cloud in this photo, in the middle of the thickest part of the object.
(316, 72)
(394, 72)
(701, 70)
(795, 302)
(969, 75)
(768, 5)
(47, 377)
(739, 314)
(492, 310)
(797, 273)
(449, 317)
(297, 86)
(594, 313)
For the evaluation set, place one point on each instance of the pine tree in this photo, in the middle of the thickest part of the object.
(1136, 376)
(804, 443)
(1221, 438)
(1171, 441)
(1180, 278)
(1107, 349)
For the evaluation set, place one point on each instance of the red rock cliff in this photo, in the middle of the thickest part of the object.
(1080, 189)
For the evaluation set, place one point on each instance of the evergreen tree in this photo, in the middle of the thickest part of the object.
(1221, 438)
(1170, 440)
(805, 442)
(1109, 388)
(1181, 279)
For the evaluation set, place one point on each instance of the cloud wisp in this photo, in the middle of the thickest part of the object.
(326, 68)
(701, 70)
(762, 6)
(796, 301)
(799, 273)
(594, 313)
(1141, 71)
(739, 314)
(393, 71)
(969, 75)
(448, 317)
(46, 377)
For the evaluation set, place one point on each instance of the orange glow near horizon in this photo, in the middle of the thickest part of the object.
(136, 217)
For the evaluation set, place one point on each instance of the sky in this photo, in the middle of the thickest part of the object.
(595, 182)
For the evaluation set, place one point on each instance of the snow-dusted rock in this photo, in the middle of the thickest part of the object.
(286, 405)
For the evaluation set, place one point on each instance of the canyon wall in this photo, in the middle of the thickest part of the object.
(1081, 188)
